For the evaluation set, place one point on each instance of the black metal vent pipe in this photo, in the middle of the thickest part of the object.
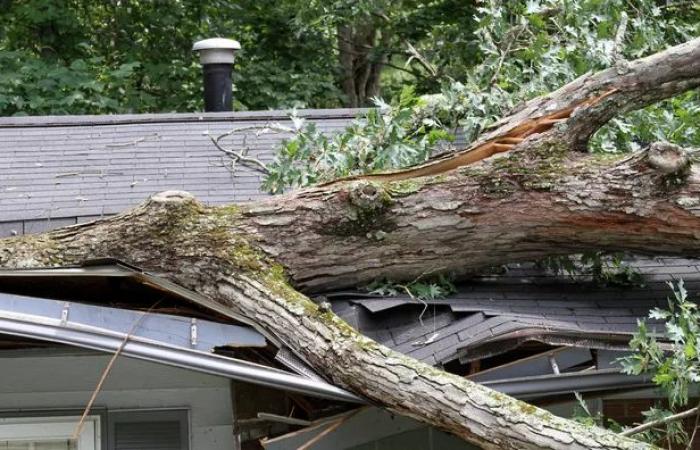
(217, 56)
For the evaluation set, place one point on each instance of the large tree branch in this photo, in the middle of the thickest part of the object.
(205, 250)
(538, 199)
(529, 204)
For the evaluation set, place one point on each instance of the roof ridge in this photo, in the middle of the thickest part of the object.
(130, 119)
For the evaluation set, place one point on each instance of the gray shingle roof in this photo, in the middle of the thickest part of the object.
(57, 171)
(494, 314)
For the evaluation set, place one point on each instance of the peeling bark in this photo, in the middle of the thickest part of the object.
(541, 198)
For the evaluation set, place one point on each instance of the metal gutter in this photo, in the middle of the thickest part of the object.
(566, 383)
(52, 330)
(109, 267)
(179, 331)
(112, 268)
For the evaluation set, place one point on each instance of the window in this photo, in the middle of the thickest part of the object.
(145, 430)
(164, 429)
(48, 433)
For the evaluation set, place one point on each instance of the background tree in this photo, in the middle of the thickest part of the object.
(81, 56)
(389, 43)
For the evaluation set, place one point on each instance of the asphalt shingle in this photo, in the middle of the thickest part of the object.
(495, 307)
(73, 167)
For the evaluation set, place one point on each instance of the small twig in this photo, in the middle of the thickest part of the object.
(259, 129)
(130, 143)
(516, 32)
(67, 174)
(247, 161)
(406, 287)
(695, 429)
(418, 299)
(415, 54)
(107, 370)
(240, 156)
(645, 426)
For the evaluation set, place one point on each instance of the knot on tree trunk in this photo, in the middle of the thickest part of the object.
(667, 158)
(367, 195)
(170, 203)
(172, 197)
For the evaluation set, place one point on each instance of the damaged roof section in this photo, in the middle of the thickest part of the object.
(492, 315)
(153, 320)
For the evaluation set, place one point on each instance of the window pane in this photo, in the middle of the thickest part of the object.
(61, 444)
(147, 436)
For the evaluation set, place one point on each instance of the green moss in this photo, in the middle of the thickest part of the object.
(245, 257)
(403, 188)
(537, 169)
(437, 179)
(274, 277)
(604, 159)
(227, 210)
(44, 251)
(526, 408)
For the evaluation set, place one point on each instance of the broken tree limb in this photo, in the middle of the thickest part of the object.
(578, 109)
(523, 206)
(538, 198)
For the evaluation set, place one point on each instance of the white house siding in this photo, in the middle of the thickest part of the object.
(67, 382)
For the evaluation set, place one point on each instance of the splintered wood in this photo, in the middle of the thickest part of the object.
(483, 150)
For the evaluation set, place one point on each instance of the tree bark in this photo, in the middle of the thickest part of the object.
(541, 198)
(361, 61)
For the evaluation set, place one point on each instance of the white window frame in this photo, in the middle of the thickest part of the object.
(52, 428)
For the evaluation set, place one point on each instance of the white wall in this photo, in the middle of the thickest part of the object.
(41, 382)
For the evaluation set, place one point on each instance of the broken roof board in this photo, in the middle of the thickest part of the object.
(366, 428)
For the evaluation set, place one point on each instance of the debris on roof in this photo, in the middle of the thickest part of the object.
(493, 315)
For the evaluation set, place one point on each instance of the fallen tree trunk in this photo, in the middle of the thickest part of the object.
(542, 197)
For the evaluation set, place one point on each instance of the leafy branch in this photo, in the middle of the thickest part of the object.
(673, 360)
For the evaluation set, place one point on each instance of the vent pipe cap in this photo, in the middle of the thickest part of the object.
(216, 50)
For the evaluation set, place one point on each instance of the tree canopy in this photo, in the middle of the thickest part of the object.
(81, 56)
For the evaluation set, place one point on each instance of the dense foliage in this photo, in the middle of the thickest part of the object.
(523, 49)
(86, 56)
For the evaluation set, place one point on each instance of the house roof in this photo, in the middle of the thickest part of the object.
(58, 171)
(62, 170)
(491, 315)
